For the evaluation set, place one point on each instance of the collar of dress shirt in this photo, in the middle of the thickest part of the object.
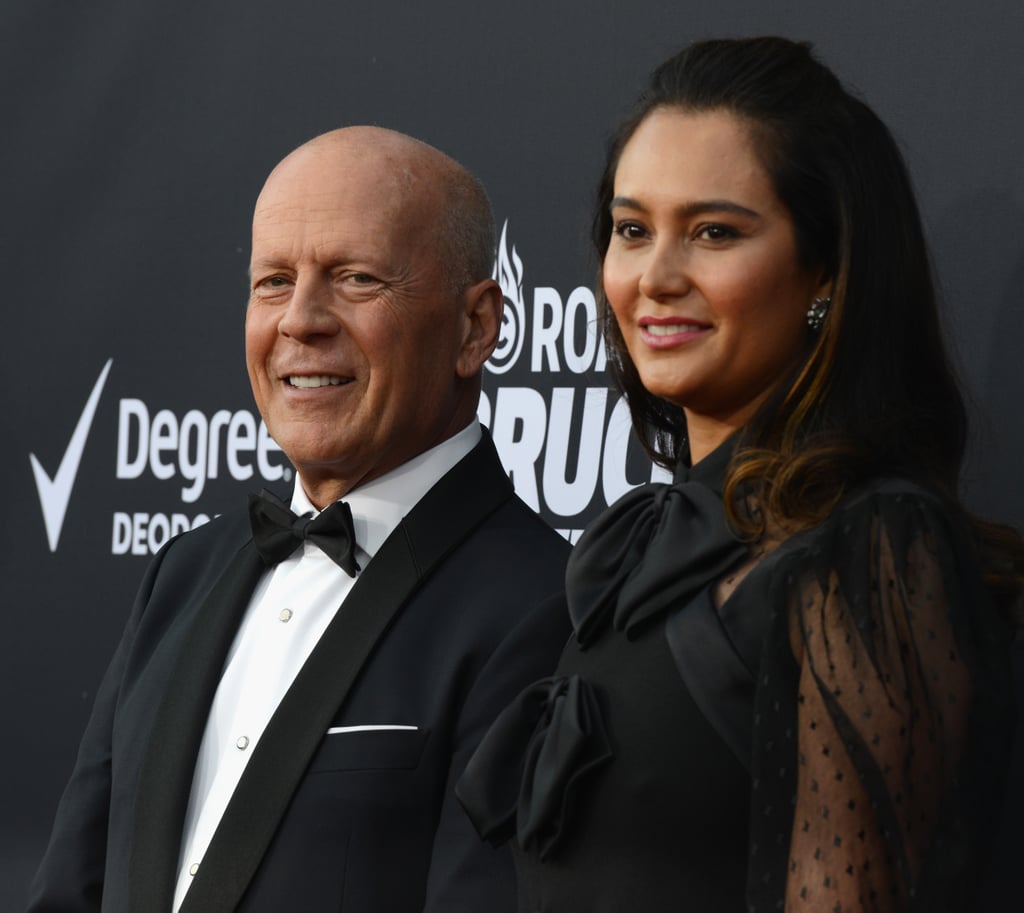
(379, 506)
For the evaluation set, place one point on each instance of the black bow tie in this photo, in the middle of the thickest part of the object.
(277, 531)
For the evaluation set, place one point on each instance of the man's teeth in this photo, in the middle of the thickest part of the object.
(670, 329)
(317, 380)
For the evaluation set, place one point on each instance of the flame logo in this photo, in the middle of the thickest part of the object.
(508, 271)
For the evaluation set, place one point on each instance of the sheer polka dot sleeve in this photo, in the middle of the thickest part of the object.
(894, 739)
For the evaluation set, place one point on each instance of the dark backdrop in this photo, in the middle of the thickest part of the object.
(136, 137)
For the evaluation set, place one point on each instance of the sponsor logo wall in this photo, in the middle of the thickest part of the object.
(188, 450)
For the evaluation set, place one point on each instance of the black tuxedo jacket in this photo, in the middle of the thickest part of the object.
(459, 609)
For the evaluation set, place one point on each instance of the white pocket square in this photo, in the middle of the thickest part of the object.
(375, 727)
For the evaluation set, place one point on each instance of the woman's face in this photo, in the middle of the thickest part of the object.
(702, 269)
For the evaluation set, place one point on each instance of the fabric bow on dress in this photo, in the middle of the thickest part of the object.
(654, 549)
(522, 778)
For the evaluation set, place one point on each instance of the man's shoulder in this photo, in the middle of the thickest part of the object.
(527, 530)
(514, 554)
(213, 542)
(472, 507)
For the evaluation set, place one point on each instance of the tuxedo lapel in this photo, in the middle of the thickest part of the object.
(165, 780)
(460, 501)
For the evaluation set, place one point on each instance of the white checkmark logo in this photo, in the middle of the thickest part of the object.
(55, 493)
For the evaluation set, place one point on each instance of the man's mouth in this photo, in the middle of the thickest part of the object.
(311, 381)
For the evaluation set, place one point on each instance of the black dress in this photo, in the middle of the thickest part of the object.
(819, 725)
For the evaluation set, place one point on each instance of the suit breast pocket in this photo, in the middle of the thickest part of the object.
(370, 749)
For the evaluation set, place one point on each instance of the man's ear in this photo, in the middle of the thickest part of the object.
(482, 308)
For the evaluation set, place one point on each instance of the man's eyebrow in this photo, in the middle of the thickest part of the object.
(265, 263)
(695, 208)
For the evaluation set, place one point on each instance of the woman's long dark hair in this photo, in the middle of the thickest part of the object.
(876, 393)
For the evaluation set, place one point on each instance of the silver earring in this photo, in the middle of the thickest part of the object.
(818, 312)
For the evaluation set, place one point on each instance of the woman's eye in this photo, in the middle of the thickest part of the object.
(631, 231)
(716, 232)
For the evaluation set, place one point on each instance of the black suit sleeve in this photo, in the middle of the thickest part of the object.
(71, 876)
(465, 873)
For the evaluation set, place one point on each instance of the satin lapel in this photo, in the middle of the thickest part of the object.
(165, 781)
(449, 512)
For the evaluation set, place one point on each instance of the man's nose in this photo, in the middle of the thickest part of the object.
(310, 311)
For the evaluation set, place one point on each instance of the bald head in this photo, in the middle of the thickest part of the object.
(423, 185)
(371, 309)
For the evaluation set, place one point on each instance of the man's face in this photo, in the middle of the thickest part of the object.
(352, 339)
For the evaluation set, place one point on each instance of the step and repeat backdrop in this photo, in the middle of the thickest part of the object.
(136, 138)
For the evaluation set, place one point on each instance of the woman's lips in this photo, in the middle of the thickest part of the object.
(667, 332)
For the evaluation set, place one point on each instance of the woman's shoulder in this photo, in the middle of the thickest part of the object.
(888, 523)
(895, 492)
(898, 506)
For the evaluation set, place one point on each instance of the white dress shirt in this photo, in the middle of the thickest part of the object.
(290, 609)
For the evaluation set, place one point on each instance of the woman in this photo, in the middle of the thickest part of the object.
(788, 682)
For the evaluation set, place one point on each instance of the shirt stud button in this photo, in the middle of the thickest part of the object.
(286, 615)
(243, 743)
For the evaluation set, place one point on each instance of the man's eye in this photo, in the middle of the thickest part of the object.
(272, 282)
(358, 280)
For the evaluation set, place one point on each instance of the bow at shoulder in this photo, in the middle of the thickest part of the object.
(655, 548)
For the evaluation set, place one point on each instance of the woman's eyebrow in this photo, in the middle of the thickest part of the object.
(688, 210)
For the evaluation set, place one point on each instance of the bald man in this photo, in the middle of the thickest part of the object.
(296, 691)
